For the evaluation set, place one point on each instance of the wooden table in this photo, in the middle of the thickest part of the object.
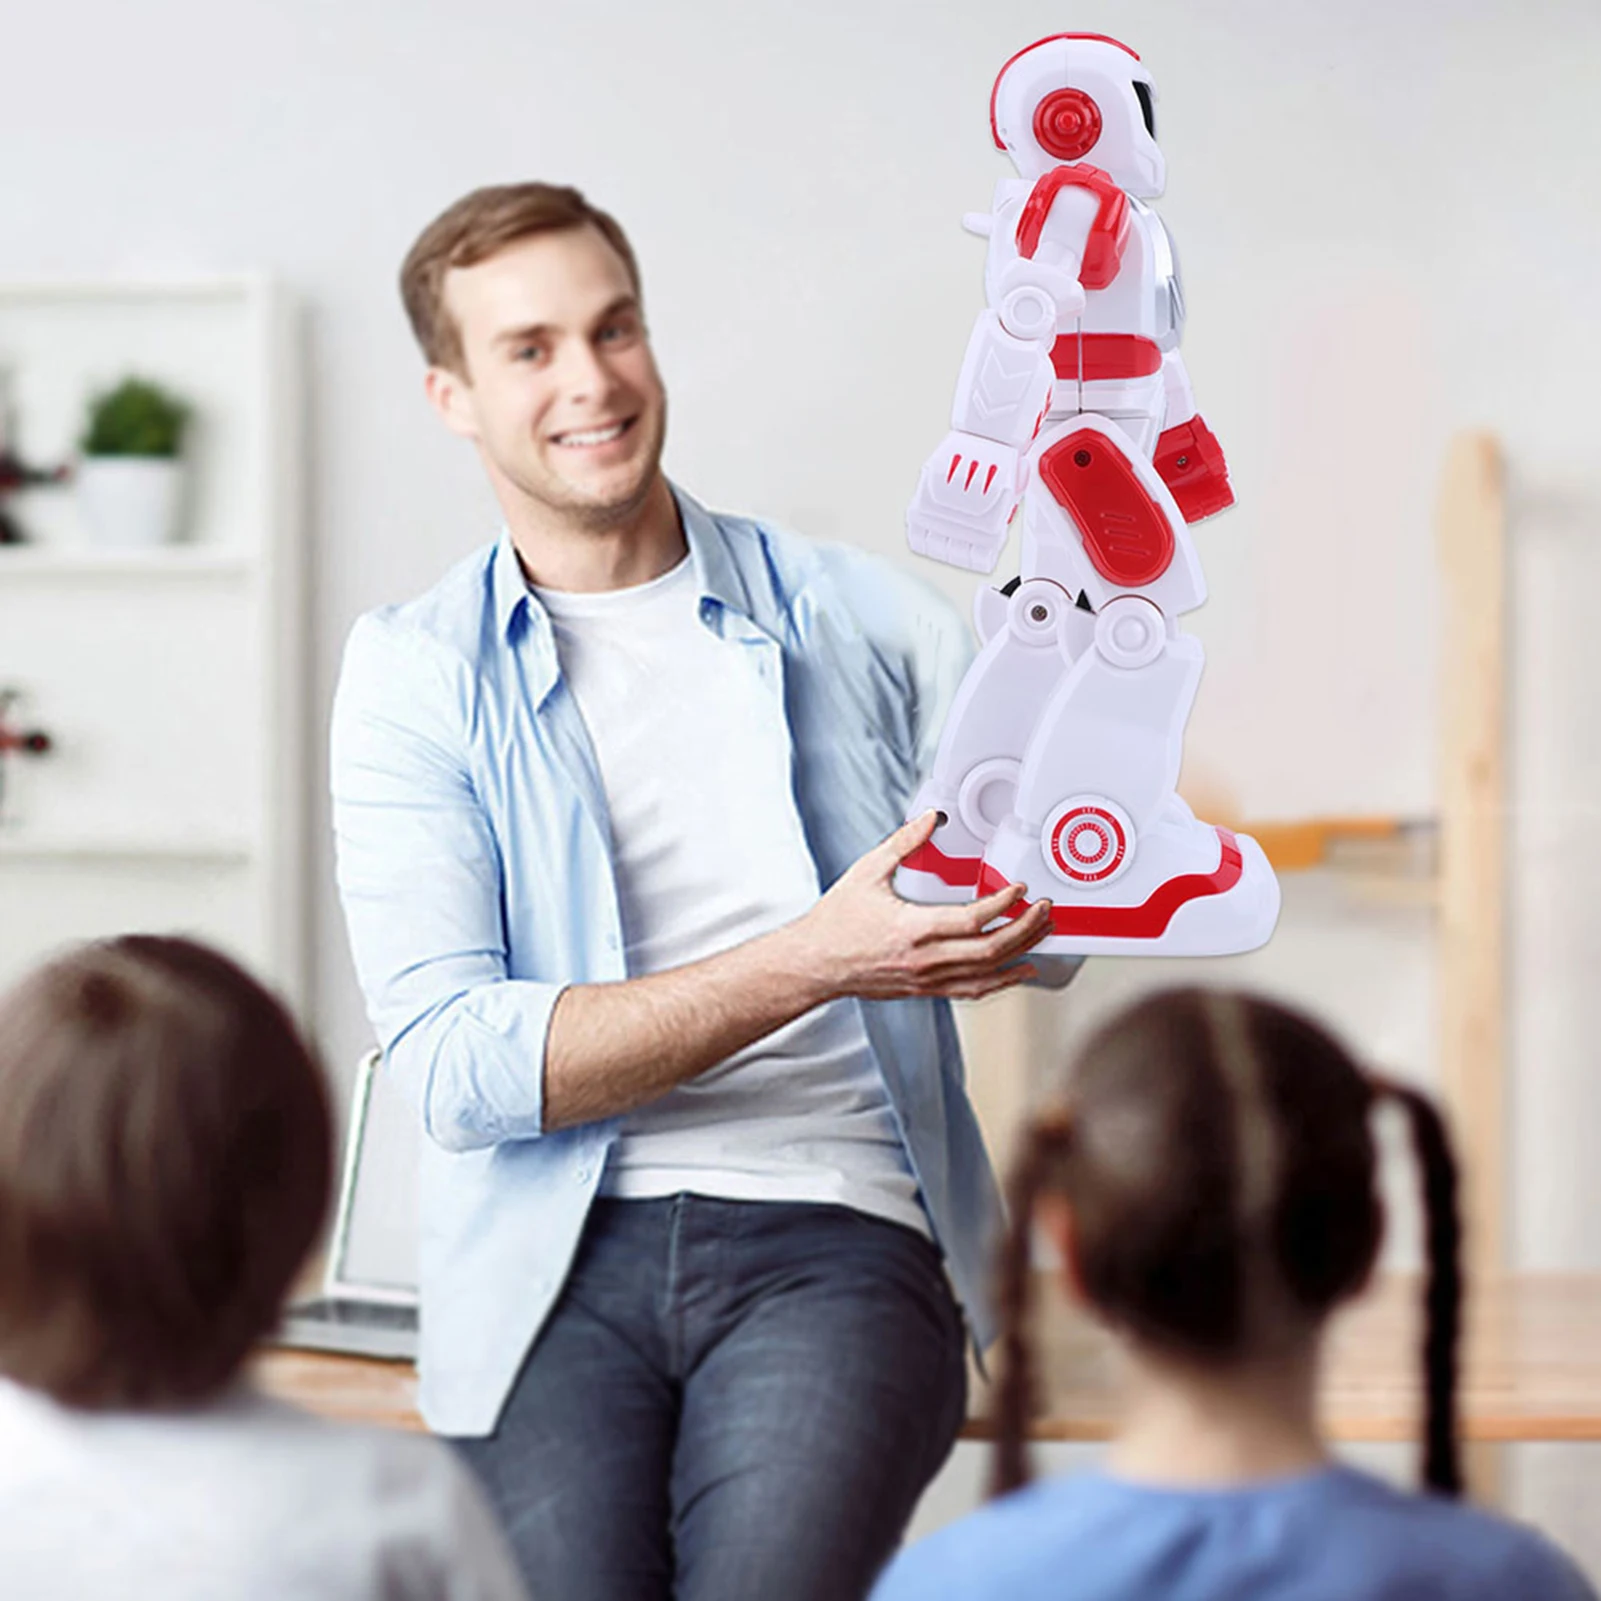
(1532, 1371)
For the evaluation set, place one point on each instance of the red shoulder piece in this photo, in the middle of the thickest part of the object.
(1190, 462)
(1103, 253)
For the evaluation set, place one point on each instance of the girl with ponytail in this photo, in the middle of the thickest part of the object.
(1209, 1180)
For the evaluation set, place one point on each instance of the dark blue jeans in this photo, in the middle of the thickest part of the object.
(732, 1401)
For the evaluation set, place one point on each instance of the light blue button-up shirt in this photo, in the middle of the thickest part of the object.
(475, 871)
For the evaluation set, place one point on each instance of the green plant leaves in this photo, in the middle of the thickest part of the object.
(137, 418)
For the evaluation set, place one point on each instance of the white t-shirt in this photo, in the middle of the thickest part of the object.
(708, 852)
(242, 1500)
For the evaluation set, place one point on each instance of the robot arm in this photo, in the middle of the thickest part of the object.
(1061, 240)
(970, 485)
(1187, 455)
(1004, 385)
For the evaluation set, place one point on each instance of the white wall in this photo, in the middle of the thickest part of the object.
(1388, 220)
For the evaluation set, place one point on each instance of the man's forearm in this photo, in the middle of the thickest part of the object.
(612, 1047)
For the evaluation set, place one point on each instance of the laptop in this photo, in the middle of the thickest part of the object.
(368, 1305)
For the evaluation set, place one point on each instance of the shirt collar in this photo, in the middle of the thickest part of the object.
(717, 575)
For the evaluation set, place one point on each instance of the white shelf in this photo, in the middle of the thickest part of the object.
(98, 291)
(172, 678)
(22, 847)
(171, 561)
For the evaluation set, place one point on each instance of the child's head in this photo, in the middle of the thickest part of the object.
(165, 1162)
(1214, 1156)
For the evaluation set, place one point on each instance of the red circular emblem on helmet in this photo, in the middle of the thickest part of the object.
(1088, 844)
(1067, 123)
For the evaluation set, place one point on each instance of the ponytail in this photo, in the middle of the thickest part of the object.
(1238, 1204)
(1442, 1293)
(1046, 1143)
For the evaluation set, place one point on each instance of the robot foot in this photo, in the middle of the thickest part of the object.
(944, 870)
(1183, 888)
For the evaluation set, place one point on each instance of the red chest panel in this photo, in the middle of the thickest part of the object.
(1126, 534)
(1103, 251)
(1092, 357)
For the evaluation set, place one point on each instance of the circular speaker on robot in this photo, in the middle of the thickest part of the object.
(1088, 839)
(1067, 124)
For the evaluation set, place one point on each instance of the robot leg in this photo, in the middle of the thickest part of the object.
(1097, 826)
(1031, 636)
(1096, 822)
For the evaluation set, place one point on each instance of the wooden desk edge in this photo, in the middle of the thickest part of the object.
(354, 1389)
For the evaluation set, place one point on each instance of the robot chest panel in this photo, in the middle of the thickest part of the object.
(1128, 303)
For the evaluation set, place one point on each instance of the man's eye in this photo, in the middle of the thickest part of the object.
(613, 331)
(528, 353)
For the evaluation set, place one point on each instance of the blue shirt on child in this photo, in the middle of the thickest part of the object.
(1334, 1534)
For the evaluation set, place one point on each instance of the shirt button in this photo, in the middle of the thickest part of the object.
(611, 942)
(583, 1174)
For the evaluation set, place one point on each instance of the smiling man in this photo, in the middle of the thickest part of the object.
(616, 808)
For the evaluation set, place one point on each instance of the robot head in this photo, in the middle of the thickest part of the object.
(1079, 97)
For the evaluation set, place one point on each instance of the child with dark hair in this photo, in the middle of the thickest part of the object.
(165, 1163)
(1209, 1182)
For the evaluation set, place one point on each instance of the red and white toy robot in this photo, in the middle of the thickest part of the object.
(1056, 768)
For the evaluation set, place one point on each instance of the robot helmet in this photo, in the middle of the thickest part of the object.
(1079, 97)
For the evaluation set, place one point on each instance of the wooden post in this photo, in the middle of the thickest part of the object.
(1472, 927)
(1000, 1040)
(1472, 834)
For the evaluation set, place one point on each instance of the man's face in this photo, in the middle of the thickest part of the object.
(560, 392)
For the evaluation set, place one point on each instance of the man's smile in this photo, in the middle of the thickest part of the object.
(593, 438)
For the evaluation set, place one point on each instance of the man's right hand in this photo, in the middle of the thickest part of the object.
(616, 1045)
(861, 938)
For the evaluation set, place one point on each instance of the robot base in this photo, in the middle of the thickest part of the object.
(1192, 890)
(931, 878)
(944, 871)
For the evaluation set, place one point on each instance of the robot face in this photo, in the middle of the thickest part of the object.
(1079, 97)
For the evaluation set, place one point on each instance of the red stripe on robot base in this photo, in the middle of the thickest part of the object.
(1127, 536)
(1092, 357)
(959, 871)
(1103, 250)
(1148, 920)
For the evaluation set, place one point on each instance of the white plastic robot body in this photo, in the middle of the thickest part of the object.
(1070, 328)
(1058, 764)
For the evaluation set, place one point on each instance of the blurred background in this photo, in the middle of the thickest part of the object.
(1388, 226)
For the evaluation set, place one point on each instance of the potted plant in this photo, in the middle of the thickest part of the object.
(130, 479)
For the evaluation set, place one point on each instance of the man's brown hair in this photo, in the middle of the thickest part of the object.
(475, 228)
(165, 1164)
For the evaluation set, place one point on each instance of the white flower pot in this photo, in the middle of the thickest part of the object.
(130, 501)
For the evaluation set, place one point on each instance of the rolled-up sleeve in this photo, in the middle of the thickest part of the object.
(941, 651)
(419, 877)
(915, 625)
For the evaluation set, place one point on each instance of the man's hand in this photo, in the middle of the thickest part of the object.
(612, 1047)
(863, 939)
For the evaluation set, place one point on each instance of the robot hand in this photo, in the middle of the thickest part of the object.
(965, 498)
